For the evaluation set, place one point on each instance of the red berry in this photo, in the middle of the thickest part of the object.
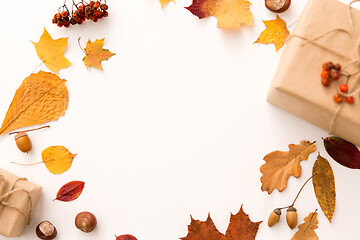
(344, 87)
(96, 4)
(325, 82)
(92, 3)
(54, 20)
(337, 66)
(329, 65)
(104, 7)
(57, 16)
(334, 74)
(105, 14)
(349, 100)
(81, 8)
(64, 14)
(338, 98)
(324, 74)
(59, 24)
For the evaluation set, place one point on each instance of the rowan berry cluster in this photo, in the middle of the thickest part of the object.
(333, 72)
(81, 11)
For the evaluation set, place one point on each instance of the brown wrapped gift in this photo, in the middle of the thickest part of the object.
(297, 86)
(17, 199)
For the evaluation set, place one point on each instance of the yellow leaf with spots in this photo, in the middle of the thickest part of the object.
(275, 33)
(57, 159)
(164, 2)
(42, 97)
(52, 52)
(95, 54)
(230, 14)
(280, 165)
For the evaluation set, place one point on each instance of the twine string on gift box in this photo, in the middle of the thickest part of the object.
(4, 196)
(356, 42)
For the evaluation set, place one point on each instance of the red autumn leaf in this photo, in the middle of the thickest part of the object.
(70, 191)
(125, 237)
(240, 228)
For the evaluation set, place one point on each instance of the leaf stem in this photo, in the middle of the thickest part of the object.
(310, 220)
(81, 46)
(31, 129)
(26, 164)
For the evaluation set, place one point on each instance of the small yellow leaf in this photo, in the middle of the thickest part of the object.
(324, 186)
(275, 32)
(164, 2)
(42, 97)
(95, 54)
(57, 159)
(306, 230)
(52, 52)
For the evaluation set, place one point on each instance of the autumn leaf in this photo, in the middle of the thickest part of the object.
(306, 230)
(52, 52)
(240, 228)
(42, 97)
(164, 2)
(275, 33)
(230, 14)
(324, 186)
(280, 166)
(125, 237)
(70, 191)
(57, 159)
(95, 54)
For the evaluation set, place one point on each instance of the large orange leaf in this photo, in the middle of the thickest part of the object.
(42, 97)
(230, 14)
(52, 52)
(280, 165)
(240, 228)
(164, 2)
(275, 33)
(95, 54)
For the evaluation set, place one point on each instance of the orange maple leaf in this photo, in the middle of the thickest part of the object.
(275, 33)
(229, 13)
(164, 2)
(95, 54)
(51, 52)
(240, 228)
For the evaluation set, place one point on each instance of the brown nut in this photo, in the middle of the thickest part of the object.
(45, 230)
(277, 6)
(125, 237)
(291, 217)
(274, 217)
(85, 221)
(23, 141)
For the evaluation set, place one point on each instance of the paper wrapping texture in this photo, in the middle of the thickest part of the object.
(297, 86)
(12, 222)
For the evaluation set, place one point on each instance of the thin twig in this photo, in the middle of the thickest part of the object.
(31, 129)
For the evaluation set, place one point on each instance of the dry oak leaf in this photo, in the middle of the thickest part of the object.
(230, 14)
(280, 166)
(42, 97)
(240, 228)
(57, 159)
(306, 230)
(324, 186)
(164, 2)
(51, 52)
(95, 54)
(275, 32)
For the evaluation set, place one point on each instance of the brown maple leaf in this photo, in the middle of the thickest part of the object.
(95, 54)
(240, 228)
(280, 165)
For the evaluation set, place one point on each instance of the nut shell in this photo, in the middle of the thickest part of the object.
(292, 217)
(85, 221)
(274, 217)
(277, 6)
(41, 235)
(23, 142)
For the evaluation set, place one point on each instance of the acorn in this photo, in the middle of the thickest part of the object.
(23, 142)
(85, 221)
(277, 6)
(45, 230)
(291, 217)
(274, 217)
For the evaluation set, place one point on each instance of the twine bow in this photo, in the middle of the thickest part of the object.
(4, 196)
(356, 44)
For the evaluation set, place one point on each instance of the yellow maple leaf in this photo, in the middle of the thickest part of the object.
(275, 32)
(42, 97)
(95, 54)
(164, 2)
(52, 52)
(57, 159)
(230, 14)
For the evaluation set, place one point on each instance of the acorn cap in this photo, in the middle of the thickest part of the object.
(19, 135)
(290, 209)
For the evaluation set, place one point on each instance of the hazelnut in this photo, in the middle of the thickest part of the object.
(291, 217)
(23, 141)
(277, 6)
(45, 230)
(274, 217)
(85, 221)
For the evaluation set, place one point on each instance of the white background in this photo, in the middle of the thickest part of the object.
(176, 124)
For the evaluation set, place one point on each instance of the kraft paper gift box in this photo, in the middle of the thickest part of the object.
(18, 196)
(297, 86)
